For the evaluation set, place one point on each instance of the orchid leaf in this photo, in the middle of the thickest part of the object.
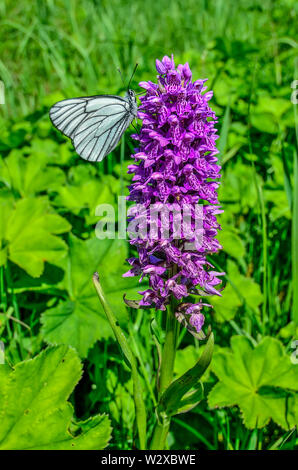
(34, 410)
(173, 397)
(187, 357)
(261, 380)
(191, 400)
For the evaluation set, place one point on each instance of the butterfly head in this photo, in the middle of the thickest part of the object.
(131, 97)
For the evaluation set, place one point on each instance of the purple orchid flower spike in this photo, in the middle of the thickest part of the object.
(175, 165)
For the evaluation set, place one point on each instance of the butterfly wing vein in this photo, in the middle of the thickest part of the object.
(94, 124)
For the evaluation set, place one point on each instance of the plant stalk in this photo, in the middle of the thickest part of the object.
(166, 373)
(140, 409)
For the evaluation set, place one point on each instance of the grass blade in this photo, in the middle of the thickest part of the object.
(295, 241)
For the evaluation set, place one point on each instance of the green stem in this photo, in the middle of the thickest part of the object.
(140, 409)
(143, 368)
(160, 436)
(166, 374)
(169, 351)
(15, 305)
(295, 241)
(265, 254)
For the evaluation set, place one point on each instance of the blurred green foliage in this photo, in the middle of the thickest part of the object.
(48, 251)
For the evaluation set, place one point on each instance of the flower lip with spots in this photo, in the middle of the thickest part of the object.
(176, 164)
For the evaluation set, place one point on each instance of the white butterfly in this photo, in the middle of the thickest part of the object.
(95, 124)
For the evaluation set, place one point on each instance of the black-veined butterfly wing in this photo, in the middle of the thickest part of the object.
(95, 124)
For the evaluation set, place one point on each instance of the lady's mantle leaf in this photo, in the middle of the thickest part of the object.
(28, 234)
(30, 175)
(86, 196)
(262, 381)
(80, 321)
(240, 290)
(34, 411)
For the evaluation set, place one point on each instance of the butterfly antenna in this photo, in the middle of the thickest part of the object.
(134, 71)
(120, 73)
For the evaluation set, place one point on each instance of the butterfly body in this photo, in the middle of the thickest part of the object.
(95, 124)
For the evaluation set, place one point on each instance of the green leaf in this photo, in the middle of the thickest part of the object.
(238, 188)
(31, 175)
(279, 200)
(121, 404)
(56, 154)
(222, 143)
(175, 396)
(265, 122)
(34, 410)
(28, 232)
(231, 243)
(140, 409)
(262, 381)
(240, 290)
(267, 114)
(81, 320)
(87, 195)
(276, 106)
(191, 400)
(187, 358)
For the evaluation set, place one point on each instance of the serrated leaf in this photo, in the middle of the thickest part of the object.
(34, 410)
(81, 320)
(240, 290)
(87, 195)
(28, 231)
(262, 381)
(30, 175)
(121, 404)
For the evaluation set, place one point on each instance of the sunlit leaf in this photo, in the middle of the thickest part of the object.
(28, 232)
(240, 290)
(35, 413)
(30, 175)
(262, 381)
(80, 321)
